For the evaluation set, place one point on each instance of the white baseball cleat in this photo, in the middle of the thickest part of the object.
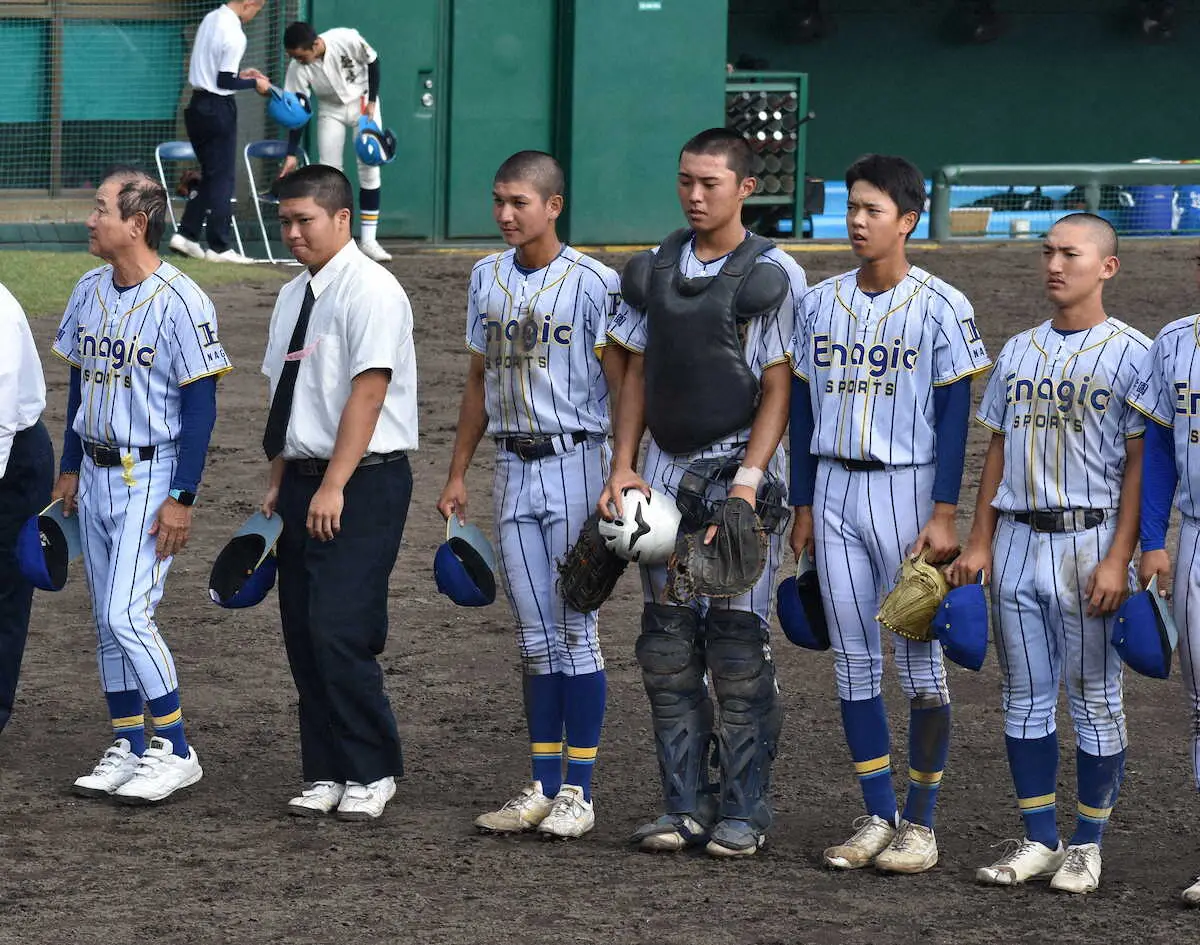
(116, 766)
(228, 256)
(366, 801)
(913, 850)
(1191, 895)
(321, 798)
(871, 837)
(1080, 871)
(159, 774)
(570, 816)
(519, 814)
(1023, 860)
(186, 247)
(372, 250)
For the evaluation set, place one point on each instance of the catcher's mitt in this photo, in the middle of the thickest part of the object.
(910, 607)
(729, 565)
(589, 571)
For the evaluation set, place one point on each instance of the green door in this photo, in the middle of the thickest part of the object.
(407, 34)
(502, 100)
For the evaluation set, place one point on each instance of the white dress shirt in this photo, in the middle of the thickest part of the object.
(22, 386)
(361, 320)
(219, 47)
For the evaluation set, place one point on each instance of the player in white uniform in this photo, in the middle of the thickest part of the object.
(727, 638)
(1056, 523)
(536, 321)
(341, 70)
(1168, 393)
(884, 357)
(141, 339)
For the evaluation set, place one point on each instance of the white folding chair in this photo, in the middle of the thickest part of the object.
(183, 151)
(274, 150)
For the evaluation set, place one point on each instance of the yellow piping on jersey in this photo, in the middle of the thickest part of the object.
(1149, 416)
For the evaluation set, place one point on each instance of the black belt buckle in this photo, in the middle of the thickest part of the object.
(863, 465)
(529, 448)
(1067, 520)
(109, 457)
(309, 466)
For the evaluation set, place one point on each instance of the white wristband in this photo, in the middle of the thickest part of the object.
(749, 476)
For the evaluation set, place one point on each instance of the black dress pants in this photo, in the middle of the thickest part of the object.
(211, 122)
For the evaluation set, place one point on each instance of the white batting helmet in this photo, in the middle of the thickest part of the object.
(646, 531)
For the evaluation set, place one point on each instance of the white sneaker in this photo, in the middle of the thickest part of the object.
(1191, 895)
(159, 774)
(1080, 871)
(319, 799)
(372, 250)
(670, 833)
(116, 766)
(570, 816)
(871, 837)
(366, 801)
(523, 812)
(913, 850)
(1023, 860)
(228, 256)
(186, 247)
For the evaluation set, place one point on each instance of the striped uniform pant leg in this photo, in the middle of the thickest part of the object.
(662, 473)
(1186, 611)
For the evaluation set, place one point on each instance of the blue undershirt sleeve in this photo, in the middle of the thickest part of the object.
(800, 433)
(198, 414)
(293, 142)
(1160, 477)
(951, 419)
(72, 453)
(231, 83)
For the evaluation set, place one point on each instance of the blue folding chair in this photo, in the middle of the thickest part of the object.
(183, 151)
(273, 150)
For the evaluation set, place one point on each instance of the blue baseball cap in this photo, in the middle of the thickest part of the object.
(465, 565)
(961, 624)
(46, 544)
(798, 603)
(245, 570)
(1144, 633)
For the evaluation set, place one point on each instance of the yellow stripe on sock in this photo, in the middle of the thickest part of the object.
(873, 766)
(370, 217)
(169, 719)
(1094, 813)
(545, 748)
(924, 777)
(581, 754)
(130, 721)
(1032, 803)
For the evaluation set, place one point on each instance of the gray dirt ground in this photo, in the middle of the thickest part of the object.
(224, 863)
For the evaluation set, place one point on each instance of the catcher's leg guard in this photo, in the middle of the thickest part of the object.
(670, 652)
(744, 677)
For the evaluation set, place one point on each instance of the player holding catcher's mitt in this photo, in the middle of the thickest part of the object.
(589, 571)
(910, 607)
(728, 565)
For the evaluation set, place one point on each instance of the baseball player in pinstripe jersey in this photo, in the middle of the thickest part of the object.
(141, 340)
(536, 320)
(884, 357)
(1056, 524)
(725, 637)
(1167, 391)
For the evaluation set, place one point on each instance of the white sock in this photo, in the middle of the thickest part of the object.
(369, 223)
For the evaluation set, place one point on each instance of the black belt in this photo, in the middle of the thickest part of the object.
(539, 447)
(317, 467)
(1063, 520)
(109, 456)
(862, 465)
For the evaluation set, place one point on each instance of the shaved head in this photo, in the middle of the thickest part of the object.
(1099, 230)
(534, 167)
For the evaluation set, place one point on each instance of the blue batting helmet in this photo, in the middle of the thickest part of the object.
(289, 109)
(961, 624)
(244, 571)
(798, 602)
(47, 543)
(1144, 634)
(374, 146)
(465, 565)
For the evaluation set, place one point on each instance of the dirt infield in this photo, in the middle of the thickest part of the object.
(224, 863)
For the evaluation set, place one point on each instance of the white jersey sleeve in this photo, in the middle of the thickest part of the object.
(66, 339)
(958, 350)
(628, 327)
(196, 350)
(477, 318)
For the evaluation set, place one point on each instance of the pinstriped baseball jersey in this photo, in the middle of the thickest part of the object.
(135, 348)
(872, 361)
(540, 334)
(1060, 401)
(1168, 391)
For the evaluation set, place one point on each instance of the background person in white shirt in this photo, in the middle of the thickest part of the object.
(211, 121)
(343, 375)
(26, 475)
(339, 68)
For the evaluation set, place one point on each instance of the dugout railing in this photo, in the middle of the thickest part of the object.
(1150, 199)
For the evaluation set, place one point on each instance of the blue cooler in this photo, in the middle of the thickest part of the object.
(1152, 213)
(1189, 204)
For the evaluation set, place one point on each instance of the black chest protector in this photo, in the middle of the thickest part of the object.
(699, 388)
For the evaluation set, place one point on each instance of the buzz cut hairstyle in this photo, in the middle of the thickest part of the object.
(141, 193)
(328, 186)
(299, 35)
(1103, 233)
(725, 143)
(537, 168)
(897, 177)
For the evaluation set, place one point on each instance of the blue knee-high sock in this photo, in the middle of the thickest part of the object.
(866, 726)
(128, 718)
(583, 710)
(928, 748)
(1034, 766)
(544, 716)
(168, 721)
(1099, 783)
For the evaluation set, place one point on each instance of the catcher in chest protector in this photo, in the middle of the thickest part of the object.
(537, 316)
(705, 322)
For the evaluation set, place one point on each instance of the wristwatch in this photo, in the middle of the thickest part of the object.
(183, 497)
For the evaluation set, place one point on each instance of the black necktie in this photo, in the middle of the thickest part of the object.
(281, 403)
